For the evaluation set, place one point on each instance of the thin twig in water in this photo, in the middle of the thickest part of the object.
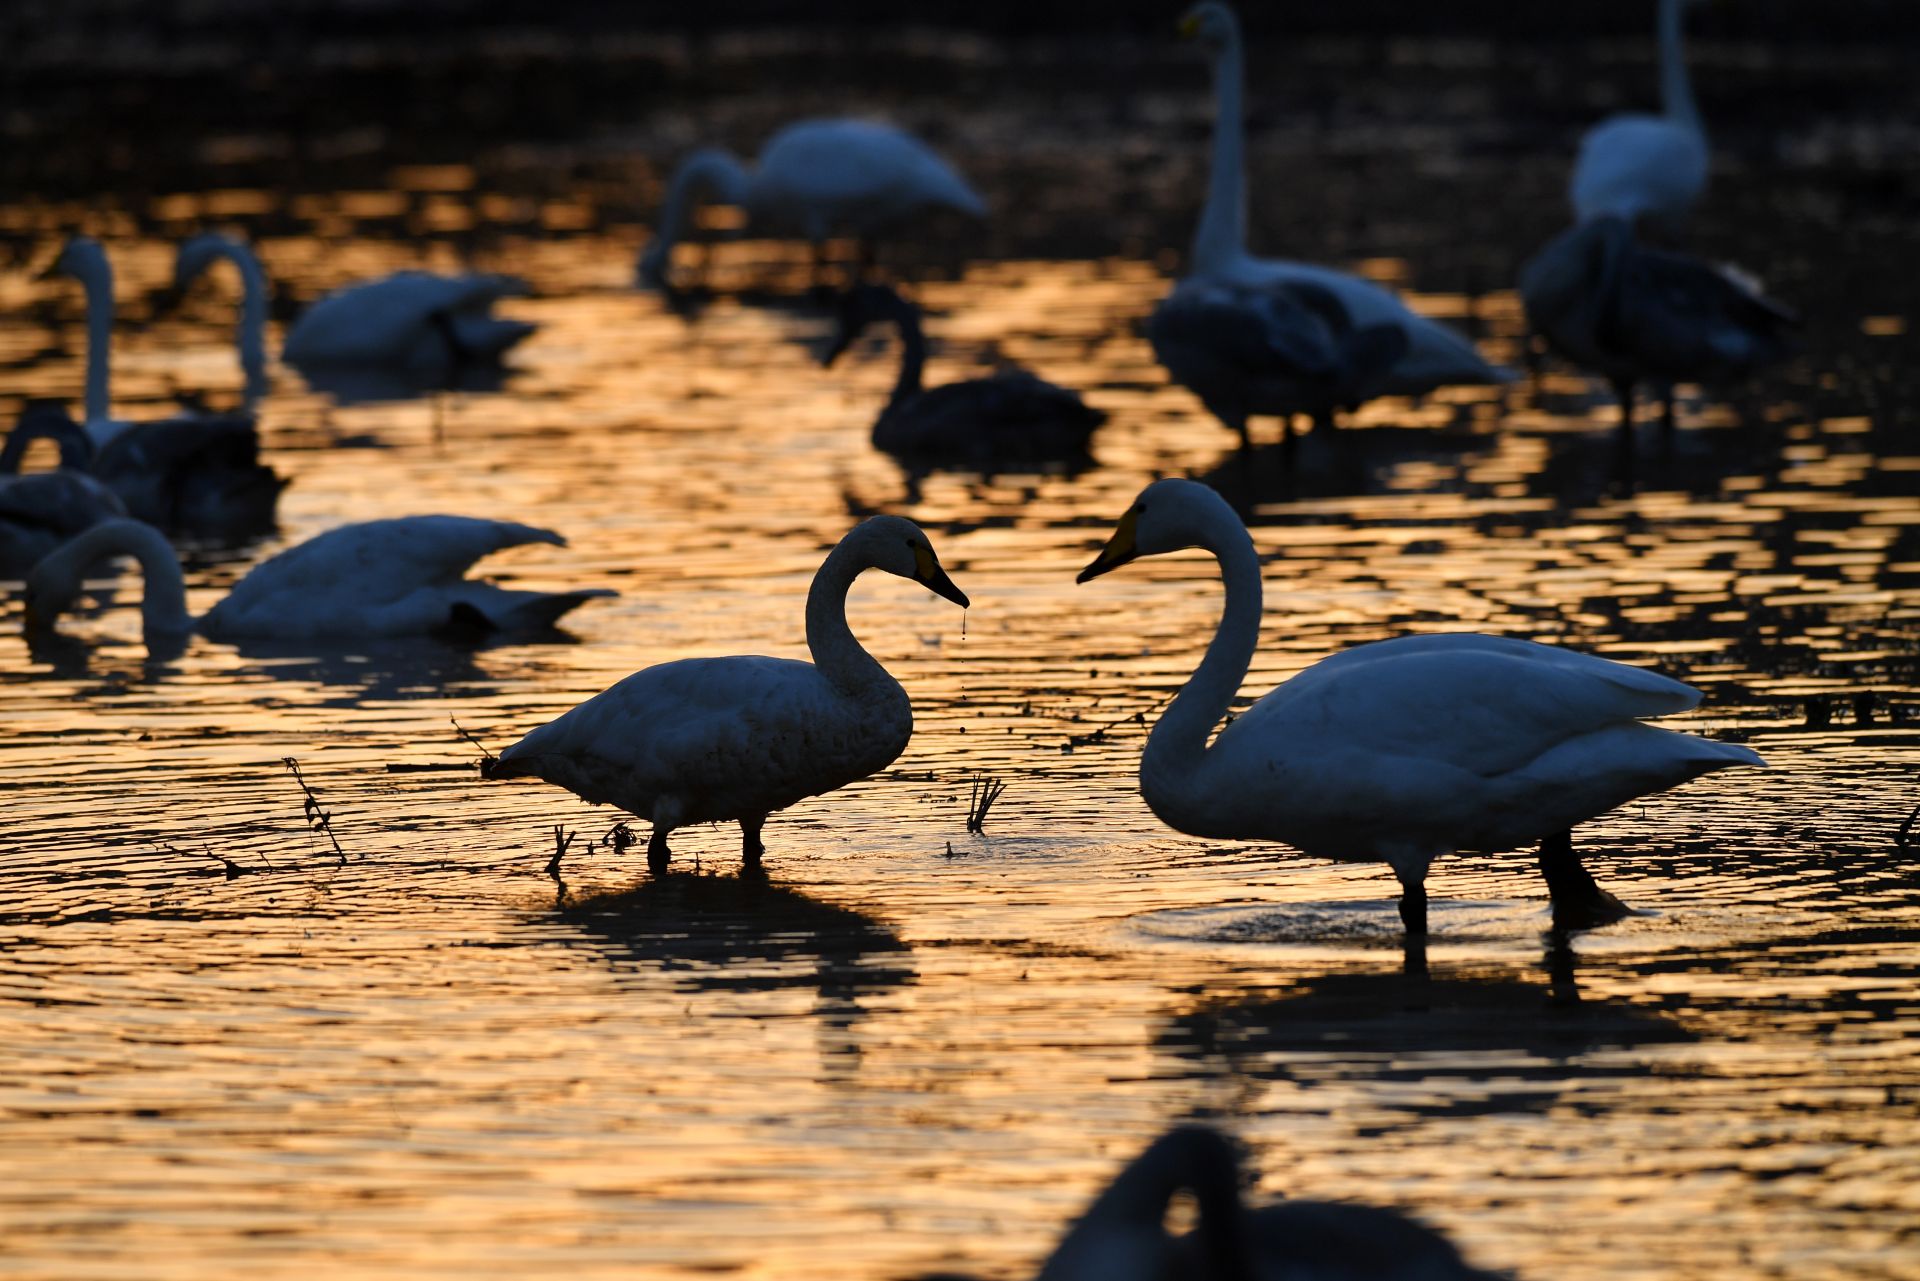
(1099, 733)
(986, 790)
(233, 870)
(1904, 837)
(618, 838)
(562, 840)
(486, 758)
(318, 819)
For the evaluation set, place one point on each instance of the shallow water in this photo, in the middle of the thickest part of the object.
(227, 1049)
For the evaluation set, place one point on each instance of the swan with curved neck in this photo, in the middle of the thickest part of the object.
(1403, 750)
(735, 739)
(85, 260)
(1433, 355)
(1642, 166)
(1010, 416)
(1123, 1235)
(200, 252)
(399, 577)
(814, 178)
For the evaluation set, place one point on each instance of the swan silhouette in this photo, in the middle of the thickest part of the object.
(1639, 166)
(1402, 750)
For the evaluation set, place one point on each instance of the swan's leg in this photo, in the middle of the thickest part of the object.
(657, 852)
(1624, 391)
(1578, 901)
(1413, 908)
(1666, 411)
(750, 847)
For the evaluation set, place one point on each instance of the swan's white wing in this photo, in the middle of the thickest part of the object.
(1638, 165)
(854, 171)
(387, 319)
(722, 737)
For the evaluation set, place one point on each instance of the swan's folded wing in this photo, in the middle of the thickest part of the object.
(382, 319)
(59, 502)
(1257, 330)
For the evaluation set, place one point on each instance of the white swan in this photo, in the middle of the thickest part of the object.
(1123, 1235)
(1639, 166)
(1401, 750)
(193, 473)
(711, 740)
(400, 577)
(413, 320)
(814, 178)
(195, 255)
(1435, 355)
(1633, 314)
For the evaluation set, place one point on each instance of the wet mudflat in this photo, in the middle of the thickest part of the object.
(909, 1047)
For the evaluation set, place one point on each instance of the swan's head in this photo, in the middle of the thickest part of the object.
(80, 257)
(1211, 25)
(652, 272)
(859, 307)
(1168, 516)
(898, 546)
(52, 587)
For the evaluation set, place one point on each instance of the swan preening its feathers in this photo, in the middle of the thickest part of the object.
(1123, 1235)
(1639, 166)
(814, 178)
(1403, 750)
(1267, 336)
(399, 577)
(735, 739)
(1010, 417)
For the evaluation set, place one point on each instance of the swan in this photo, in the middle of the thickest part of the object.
(195, 255)
(813, 178)
(1435, 355)
(1640, 166)
(1123, 1236)
(397, 577)
(1011, 416)
(1282, 349)
(1402, 750)
(1633, 314)
(41, 511)
(714, 740)
(192, 473)
(413, 320)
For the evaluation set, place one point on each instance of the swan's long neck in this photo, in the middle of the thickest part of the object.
(76, 450)
(96, 277)
(1676, 89)
(710, 170)
(1223, 224)
(1178, 743)
(163, 603)
(835, 652)
(913, 351)
(251, 334)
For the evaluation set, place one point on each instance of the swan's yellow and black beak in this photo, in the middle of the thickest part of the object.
(1120, 549)
(927, 573)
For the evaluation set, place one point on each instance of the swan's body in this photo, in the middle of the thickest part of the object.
(400, 577)
(192, 474)
(1123, 1234)
(735, 739)
(813, 179)
(412, 320)
(1402, 750)
(1641, 166)
(1433, 354)
(1010, 417)
(40, 512)
(1633, 314)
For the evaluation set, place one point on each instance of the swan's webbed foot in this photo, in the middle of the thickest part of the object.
(751, 847)
(1413, 908)
(658, 854)
(1578, 901)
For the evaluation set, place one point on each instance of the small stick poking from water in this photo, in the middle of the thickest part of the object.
(486, 758)
(562, 840)
(318, 819)
(1903, 839)
(986, 790)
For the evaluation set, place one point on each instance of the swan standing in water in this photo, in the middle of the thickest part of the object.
(399, 577)
(714, 740)
(814, 178)
(193, 473)
(415, 321)
(1633, 314)
(1640, 166)
(1009, 417)
(1402, 750)
(1123, 1234)
(1221, 270)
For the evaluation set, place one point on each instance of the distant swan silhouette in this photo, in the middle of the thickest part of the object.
(814, 178)
(711, 740)
(398, 577)
(41, 511)
(1011, 416)
(1402, 750)
(1123, 1234)
(1640, 166)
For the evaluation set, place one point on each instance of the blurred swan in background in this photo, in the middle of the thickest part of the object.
(1633, 314)
(713, 740)
(398, 577)
(1433, 355)
(196, 254)
(1123, 1235)
(40, 512)
(1640, 166)
(813, 179)
(1402, 750)
(1011, 416)
(197, 474)
(416, 320)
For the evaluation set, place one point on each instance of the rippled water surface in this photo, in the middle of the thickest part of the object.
(228, 1051)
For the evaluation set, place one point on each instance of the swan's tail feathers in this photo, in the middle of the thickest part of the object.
(500, 609)
(478, 336)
